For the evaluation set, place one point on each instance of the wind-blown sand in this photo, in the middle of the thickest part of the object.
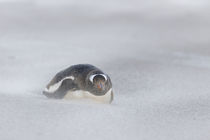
(157, 55)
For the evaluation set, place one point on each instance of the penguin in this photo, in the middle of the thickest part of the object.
(81, 81)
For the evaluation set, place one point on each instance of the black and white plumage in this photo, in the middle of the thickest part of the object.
(81, 81)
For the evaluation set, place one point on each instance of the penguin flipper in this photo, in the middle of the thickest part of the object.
(66, 86)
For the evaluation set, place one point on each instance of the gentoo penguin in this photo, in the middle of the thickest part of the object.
(81, 81)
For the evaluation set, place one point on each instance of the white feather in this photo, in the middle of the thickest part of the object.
(54, 87)
(93, 76)
(81, 94)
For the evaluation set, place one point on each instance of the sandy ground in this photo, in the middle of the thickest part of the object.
(157, 55)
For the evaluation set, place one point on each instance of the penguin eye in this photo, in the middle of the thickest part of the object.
(105, 77)
(93, 76)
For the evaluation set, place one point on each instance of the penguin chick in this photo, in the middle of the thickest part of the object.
(82, 81)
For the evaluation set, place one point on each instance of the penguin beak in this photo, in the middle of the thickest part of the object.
(100, 86)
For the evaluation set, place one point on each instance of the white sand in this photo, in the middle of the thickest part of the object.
(157, 54)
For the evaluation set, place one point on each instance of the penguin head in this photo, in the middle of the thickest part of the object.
(99, 84)
(98, 81)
